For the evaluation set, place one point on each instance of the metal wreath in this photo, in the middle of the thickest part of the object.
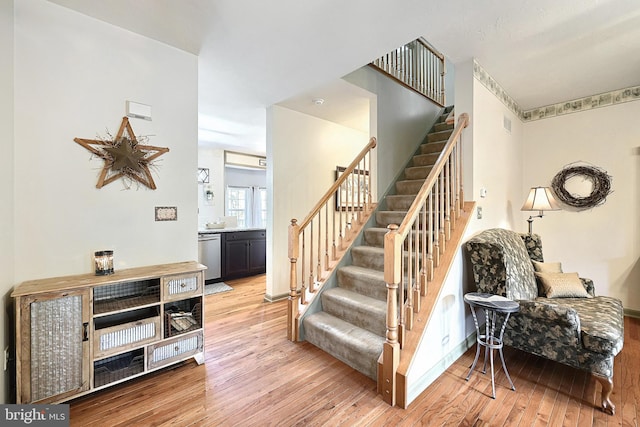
(599, 178)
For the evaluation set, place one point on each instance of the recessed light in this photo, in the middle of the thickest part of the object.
(318, 101)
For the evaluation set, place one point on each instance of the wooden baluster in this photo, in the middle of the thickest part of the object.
(407, 271)
(441, 202)
(425, 74)
(369, 189)
(319, 269)
(424, 231)
(341, 218)
(436, 77)
(456, 186)
(430, 73)
(419, 61)
(430, 234)
(365, 183)
(436, 224)
(415, 254)
(326, 236)
(447, 199)
(442, 88)
(356, 177)
(311, 281)
(334, 249)
(303, 273)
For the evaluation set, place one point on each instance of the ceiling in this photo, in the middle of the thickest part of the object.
(253, 54)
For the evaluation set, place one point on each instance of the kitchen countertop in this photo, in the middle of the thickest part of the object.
(227, 230)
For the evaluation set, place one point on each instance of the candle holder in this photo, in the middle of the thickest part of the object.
(103, 261)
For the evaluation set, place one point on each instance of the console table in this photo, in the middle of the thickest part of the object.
(79, 334)
(491, 305)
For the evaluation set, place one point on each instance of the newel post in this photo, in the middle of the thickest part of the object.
(292, 309)
(391, 348)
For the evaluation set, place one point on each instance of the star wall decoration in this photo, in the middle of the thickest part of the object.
(124, 156)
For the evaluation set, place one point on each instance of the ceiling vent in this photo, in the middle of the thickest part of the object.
(506, 123)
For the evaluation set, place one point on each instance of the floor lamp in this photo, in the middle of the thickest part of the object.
(540, 199)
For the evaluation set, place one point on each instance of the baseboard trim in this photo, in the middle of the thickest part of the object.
(415, 389)
(274, 298)
(632, 313)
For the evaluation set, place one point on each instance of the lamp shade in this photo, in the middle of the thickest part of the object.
(540, 199)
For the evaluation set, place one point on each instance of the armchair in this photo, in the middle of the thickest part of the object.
(584, 332)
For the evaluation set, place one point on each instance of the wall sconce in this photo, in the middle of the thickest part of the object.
(208, 194)
(540, 199)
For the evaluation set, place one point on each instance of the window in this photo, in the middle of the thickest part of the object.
(248, 204)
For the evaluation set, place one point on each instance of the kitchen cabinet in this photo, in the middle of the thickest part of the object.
(245, 253)
(78, 334)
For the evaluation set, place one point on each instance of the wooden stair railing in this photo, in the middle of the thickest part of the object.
(417, 65)
(320, 241)
(412, 250)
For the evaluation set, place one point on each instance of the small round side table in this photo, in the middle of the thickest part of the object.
(491, 305)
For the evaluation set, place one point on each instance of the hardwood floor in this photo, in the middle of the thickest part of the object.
(253, 376)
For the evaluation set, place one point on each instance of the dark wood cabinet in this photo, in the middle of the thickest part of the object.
(245, 254)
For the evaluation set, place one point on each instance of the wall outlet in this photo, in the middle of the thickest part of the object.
(6, 357)
(479, 213)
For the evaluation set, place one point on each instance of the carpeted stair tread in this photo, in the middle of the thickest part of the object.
(439, 136)
(400, 202)
(374, 236)
(384, 218)
(359, 310)
(368, 257)
(354, 346)
(417, 172)
(432, 147)
(425, 159)
(439, 127)
(409, 186)
(365, 281)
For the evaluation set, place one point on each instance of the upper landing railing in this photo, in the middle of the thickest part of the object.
(417, 65)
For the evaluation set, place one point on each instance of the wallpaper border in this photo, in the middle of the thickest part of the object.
(586, 103)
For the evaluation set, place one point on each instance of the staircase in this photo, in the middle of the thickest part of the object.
(352, 323)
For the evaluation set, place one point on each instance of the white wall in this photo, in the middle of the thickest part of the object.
(303, 153)
(211, 210)
(464, 82)
(403, 120)
(602, 243)
(493, 160)
(6, 182)
(493, 157)
(442, 341)
(497, 163)
(73, 75)
(219, 178)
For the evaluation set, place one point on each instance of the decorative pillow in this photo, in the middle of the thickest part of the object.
(562, 285)
(547, 267)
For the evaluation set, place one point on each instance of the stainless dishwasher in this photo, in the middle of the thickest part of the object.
(210, 254)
